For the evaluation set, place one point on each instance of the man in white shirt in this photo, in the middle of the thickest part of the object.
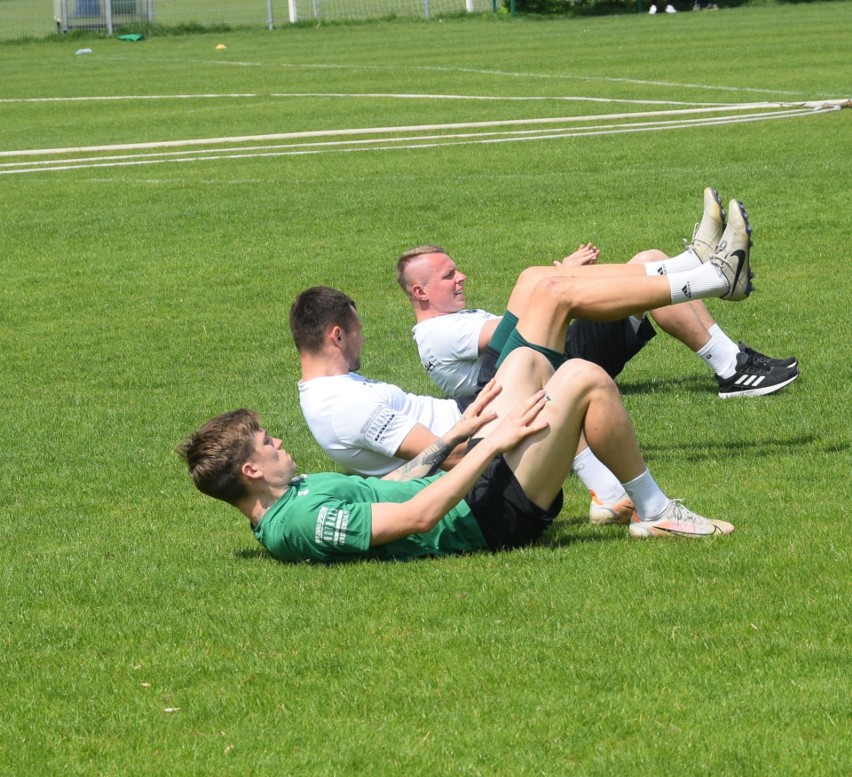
(453, 341)
(369, 427)
(459, 347)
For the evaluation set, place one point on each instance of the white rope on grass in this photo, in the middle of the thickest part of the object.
(414, 128)
(347, 95)
(539, 133)
(413, 141)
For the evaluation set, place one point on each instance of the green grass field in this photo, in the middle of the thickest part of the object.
(143, 632)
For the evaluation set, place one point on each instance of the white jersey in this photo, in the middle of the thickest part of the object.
(361, 423)
(449, 349)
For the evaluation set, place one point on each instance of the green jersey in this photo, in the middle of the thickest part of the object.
(328, 517)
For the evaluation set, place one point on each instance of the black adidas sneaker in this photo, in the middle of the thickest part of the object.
(755, 377)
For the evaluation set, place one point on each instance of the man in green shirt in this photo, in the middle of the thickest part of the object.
(502, 494)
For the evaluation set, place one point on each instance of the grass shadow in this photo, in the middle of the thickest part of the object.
(692, 384)
(752, 449)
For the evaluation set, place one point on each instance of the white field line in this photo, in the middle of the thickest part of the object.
(472, 70)
(614, 80)
(343, 95)
(508, 74)
(414, 142)
(399, 129)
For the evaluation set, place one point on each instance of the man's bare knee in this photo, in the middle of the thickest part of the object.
(651, 255)
(578, 376)
(523, 361)
(529, 277)
(556, 294)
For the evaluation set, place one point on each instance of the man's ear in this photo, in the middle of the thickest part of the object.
(250, 472)
(418, 292)
(335, 334)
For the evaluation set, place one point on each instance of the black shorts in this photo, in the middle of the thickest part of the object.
(609, 344)
(487, 370)
(506, 517)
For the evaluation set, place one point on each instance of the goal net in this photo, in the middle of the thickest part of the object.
(331, 10)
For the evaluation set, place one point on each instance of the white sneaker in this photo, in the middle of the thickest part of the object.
(678, 521)
(671, 9)
(608, 513)
(708, 232)
(652, 10)
(731, 256)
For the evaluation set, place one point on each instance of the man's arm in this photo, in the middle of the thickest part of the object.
(487, 332)
(421, 444)
(391, 521)
(446, 451)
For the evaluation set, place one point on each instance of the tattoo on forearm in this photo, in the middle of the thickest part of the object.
(426, 463)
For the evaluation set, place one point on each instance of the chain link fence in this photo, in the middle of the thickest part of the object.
(22, 19)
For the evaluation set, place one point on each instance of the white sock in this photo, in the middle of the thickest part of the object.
(648, 499)
(717, 331)
(720, 354)
(688, 260)
(596, 477)
(702, 282)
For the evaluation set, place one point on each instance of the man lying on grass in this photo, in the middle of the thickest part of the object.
(460, 347)
(455, 343)
(502, 494)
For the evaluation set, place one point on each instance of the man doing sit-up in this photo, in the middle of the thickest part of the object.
(503, 494)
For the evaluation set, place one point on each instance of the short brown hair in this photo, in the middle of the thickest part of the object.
(314, 311)
(407, 258)
(217, 451)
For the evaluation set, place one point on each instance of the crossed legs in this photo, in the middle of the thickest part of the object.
(581, 399)
(689, 323)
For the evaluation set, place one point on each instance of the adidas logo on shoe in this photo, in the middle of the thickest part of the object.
(750, 380)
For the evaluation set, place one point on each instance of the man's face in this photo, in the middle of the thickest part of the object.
(442, 283)
(351, 344)
(272, 460)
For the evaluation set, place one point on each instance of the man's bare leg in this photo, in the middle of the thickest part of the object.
(531, 276)
(581, 397)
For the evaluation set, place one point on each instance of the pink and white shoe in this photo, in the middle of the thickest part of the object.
(613, 513)
(678, 521)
